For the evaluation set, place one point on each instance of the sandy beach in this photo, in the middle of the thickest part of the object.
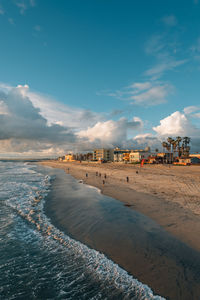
(168, 195)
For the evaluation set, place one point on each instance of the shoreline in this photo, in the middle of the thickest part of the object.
(130, 239)
(175, 218)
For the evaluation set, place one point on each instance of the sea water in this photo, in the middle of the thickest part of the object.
(38, 261)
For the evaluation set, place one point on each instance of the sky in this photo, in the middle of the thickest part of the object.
(80, 74)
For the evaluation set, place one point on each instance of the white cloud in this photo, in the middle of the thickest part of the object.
(57, 113)
(54, 111)
(197, 115)
(154, 96)
(164, 48)
(141, 86)
(144, 93)
(190, 109)
(166, 65)
(110, 133)
(178, 124)
(175, 124)
(170, 20)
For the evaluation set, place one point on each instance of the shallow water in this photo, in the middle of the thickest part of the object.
(38, 260)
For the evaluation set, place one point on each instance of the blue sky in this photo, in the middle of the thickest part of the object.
(117, 59)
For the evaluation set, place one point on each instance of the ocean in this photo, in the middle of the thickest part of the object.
(39, 261)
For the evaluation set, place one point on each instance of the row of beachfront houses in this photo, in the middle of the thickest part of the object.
(109, 155)
(113, 155)
(129, 156)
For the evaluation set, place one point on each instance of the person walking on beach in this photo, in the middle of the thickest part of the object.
(86, 175)
(127, 179)
(105, 176)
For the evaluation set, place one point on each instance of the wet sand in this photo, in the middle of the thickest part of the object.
(171, 268)
(169, 196)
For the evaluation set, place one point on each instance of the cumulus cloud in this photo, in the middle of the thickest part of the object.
(179, 124)
(110, 133)
(176, 124)
(22, 125)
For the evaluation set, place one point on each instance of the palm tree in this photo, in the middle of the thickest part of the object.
(167, 146)
(178, 141)
(186, 148)
(186, 140)
(171, 141)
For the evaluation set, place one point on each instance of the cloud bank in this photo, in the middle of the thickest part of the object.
(34, 125)
(23, 128)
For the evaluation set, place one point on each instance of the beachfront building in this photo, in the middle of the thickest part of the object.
(120, 154)
(126, 157)
(69, 157)
(139, 155)
(163, 157)
(195, 155)
(84, 156)
(189, 161)
(103, 154)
